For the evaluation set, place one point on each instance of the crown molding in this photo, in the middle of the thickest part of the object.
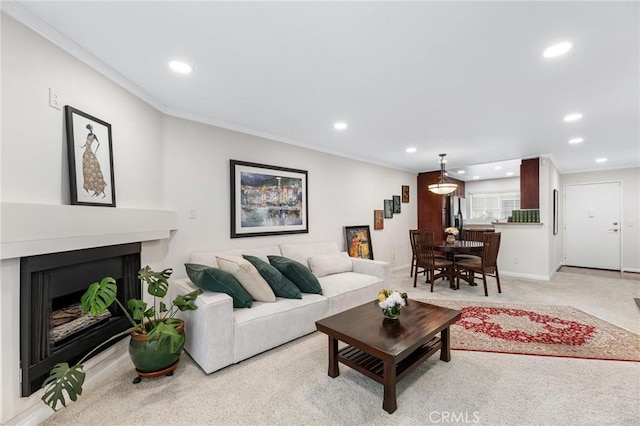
(264, 135)
(24, 16)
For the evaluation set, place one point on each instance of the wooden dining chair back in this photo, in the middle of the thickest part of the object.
(487, 264)
(426, 258)
(474, 234)
(413, 252)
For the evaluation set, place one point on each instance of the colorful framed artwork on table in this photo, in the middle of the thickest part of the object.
(405, 193)
(358, 239)
(378, 219)
(267, 200)
(388, 209)
(396, 204)
(90, 156)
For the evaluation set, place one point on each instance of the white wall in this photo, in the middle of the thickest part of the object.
(342, 192)
(555, 241)
(34, 153)
(630, 179)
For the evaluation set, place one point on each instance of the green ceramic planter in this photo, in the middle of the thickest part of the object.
(146, 358)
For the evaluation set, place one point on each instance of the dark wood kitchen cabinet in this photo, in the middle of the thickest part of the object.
(530, 183)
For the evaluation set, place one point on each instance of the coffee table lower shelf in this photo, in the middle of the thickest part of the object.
(373, 367)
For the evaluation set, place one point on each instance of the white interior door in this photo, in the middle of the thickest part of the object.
(592, 225)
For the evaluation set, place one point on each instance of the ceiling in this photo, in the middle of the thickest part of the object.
(463, 78)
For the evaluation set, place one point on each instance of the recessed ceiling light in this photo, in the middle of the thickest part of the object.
(461, 172)
(601, 160)
(476, 177)
(411, 149)
(340, 125)
(573, 117)
(497, 168)
(181, 67)
(557, 49)
(509, 173)
(576, 140)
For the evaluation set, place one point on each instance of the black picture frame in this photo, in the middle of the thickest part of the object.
(358, 241)
(397, 208)
(91, 180)
(388, 209)
(267, 200)
(555, 212)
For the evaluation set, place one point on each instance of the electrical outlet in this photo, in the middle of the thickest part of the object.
(54, 99)
(516, 260)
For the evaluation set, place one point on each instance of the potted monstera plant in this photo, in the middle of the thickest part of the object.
(157, 337)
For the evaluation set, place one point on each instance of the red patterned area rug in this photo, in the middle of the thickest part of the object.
(561, 331)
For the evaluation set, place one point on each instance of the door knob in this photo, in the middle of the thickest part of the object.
(615, 223)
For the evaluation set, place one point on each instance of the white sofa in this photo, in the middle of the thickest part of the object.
(217, 335)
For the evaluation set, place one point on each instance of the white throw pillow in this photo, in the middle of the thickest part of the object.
(248, 276)
(328, 264)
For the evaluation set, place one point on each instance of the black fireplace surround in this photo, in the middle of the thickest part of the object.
(55, 281)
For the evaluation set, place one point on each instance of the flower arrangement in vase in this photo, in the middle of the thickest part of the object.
(451, 232)
(391, 303)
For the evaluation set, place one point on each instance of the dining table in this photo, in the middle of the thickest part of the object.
(458, 247)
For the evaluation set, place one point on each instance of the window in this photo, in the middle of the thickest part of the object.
(491, 206)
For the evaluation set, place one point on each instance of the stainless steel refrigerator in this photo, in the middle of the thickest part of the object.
(457, 212)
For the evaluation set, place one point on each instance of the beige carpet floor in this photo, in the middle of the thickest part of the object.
(289, 385)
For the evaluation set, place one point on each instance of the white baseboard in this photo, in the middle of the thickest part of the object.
(401, 267)
(527, 276)
(635, 270)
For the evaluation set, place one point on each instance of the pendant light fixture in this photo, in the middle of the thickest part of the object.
(443, 187)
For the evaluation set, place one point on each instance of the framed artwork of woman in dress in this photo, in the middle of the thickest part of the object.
(90, 159)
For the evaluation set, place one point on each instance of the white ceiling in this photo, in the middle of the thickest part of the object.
(465, 78)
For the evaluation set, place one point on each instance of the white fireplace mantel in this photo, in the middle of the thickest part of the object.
(32, 229)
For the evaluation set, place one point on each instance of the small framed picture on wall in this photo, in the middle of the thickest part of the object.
(388, 209)
(396, 204)
(378, 219)
(405, 193)
(90, 156)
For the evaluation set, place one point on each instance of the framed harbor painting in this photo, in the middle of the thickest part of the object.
(90, 157)
(267, 200)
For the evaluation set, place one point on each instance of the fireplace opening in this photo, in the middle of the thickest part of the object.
(67, 321)
(53, 328)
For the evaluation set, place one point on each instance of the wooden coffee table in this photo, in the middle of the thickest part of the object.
(387, 350)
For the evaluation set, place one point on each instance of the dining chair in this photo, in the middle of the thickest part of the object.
(487, 264)
(472, 235)
(426, 258)
(413, 252)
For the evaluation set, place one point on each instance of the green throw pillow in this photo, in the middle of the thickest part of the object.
(214, 279)
(281, 285)
(298, 273)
